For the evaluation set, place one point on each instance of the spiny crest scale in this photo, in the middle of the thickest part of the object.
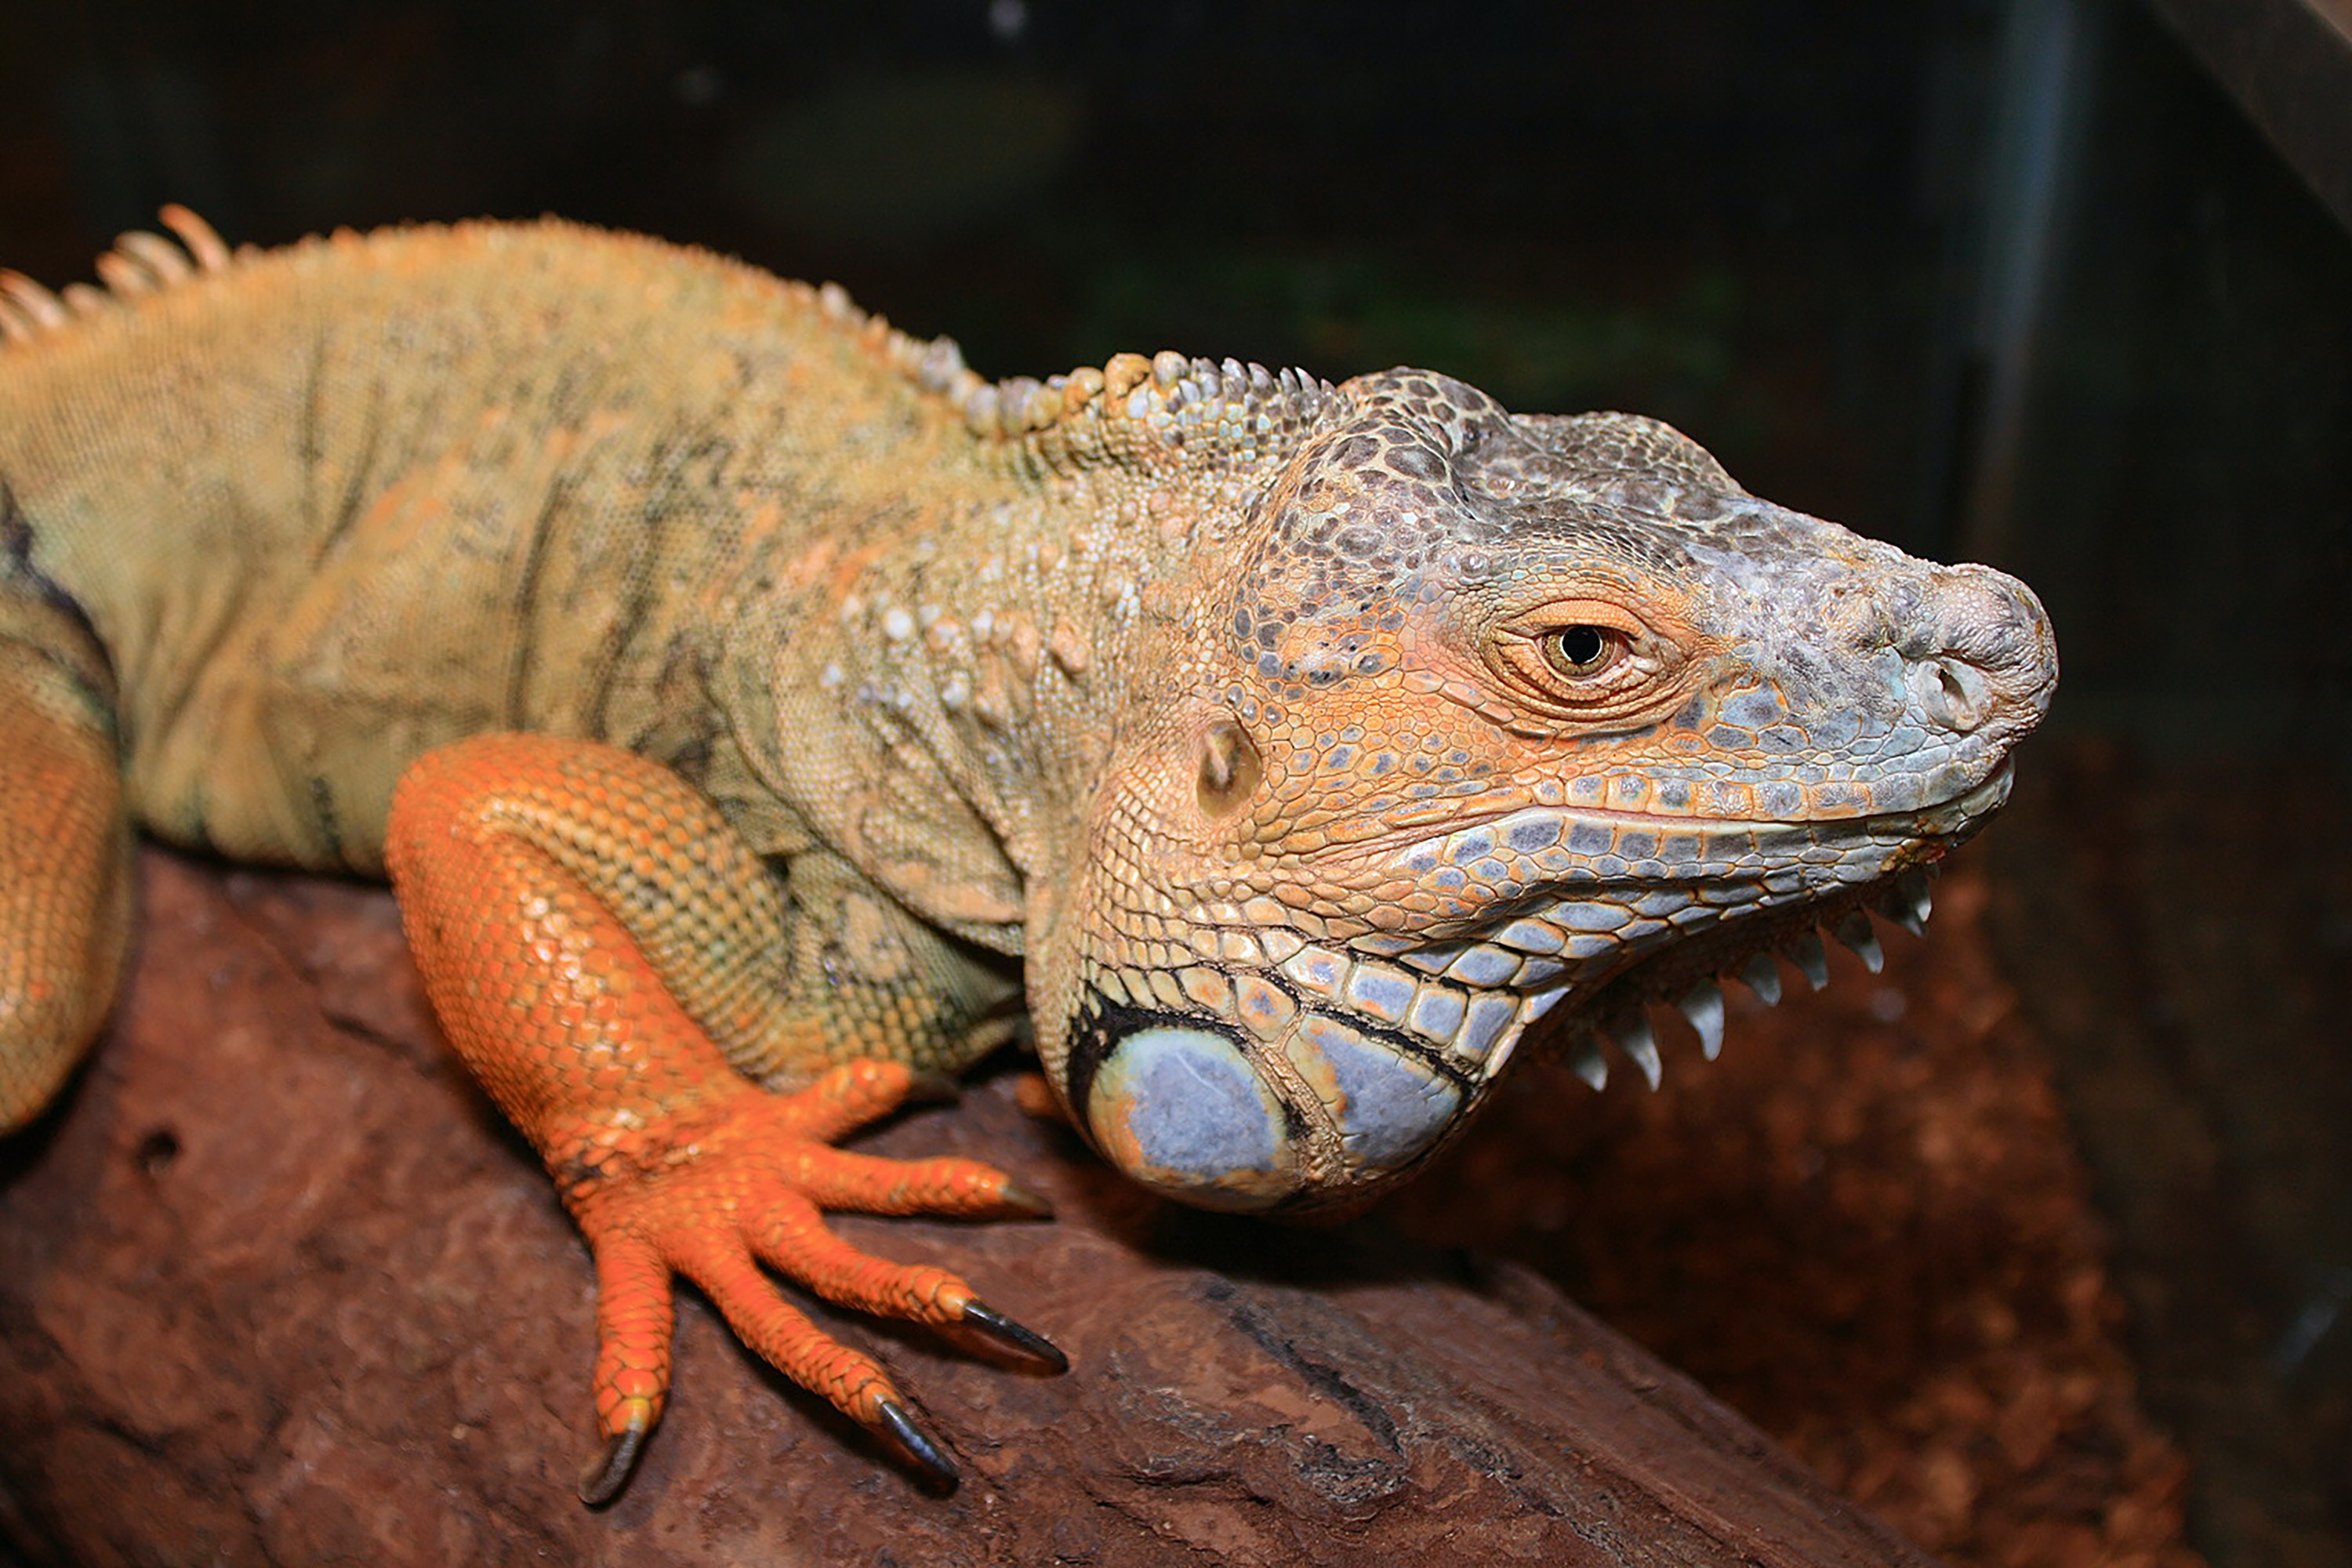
(1169, 403)
(140, 264)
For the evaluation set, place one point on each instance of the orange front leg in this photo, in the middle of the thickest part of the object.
(510, 855)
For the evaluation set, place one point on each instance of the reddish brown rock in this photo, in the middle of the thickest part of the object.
(276, 1286)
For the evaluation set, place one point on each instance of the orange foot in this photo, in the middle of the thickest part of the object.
(736, 1180)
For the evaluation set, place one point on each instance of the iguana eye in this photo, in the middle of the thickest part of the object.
(1587, 660)
(1583, 651)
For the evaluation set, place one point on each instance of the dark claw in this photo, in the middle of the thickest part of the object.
(1024, 1200)
(925, 1087)
(1014, 1336)
(915, 1446)
(602, 1478)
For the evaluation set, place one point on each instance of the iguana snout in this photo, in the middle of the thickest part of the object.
(1981, 651)
(1508, 725)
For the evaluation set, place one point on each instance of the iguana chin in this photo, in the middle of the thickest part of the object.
(749, 704)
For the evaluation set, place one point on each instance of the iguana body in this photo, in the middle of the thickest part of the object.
(1295, 747)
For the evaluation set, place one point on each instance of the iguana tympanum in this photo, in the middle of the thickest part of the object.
(753, 708)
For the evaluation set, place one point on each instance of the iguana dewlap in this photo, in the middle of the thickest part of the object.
(753, 707)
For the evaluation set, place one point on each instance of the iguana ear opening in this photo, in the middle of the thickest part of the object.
(1230, 767)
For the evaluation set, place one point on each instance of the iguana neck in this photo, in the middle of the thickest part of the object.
(1054, 538)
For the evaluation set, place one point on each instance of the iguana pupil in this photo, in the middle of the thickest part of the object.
(1580, 647)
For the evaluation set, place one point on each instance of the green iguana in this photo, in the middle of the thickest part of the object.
(758, 713)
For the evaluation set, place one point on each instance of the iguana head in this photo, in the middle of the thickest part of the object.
(1503, 725)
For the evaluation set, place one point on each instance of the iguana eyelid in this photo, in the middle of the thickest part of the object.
(1641, 674)
(1557, 614)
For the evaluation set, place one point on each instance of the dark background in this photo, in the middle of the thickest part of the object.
(2004, 281)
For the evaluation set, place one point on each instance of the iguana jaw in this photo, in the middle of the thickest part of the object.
(1331, 1065)
(1687, 974)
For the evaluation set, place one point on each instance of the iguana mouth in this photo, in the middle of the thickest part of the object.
(1344, 1063)
(1955, 814)
(1571, 1014)
(1688, 975)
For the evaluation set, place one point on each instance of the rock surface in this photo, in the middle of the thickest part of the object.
(276, 1285)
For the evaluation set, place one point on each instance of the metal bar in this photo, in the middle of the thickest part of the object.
(2289, 65)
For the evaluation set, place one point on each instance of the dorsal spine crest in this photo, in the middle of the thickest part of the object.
(139, 264)
(1167, 411)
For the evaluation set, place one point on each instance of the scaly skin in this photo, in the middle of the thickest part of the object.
(753, 708)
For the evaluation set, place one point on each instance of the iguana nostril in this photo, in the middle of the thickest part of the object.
(1952, 695)
(1980, 651)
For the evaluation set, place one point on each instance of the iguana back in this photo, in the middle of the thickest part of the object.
(329, 506)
